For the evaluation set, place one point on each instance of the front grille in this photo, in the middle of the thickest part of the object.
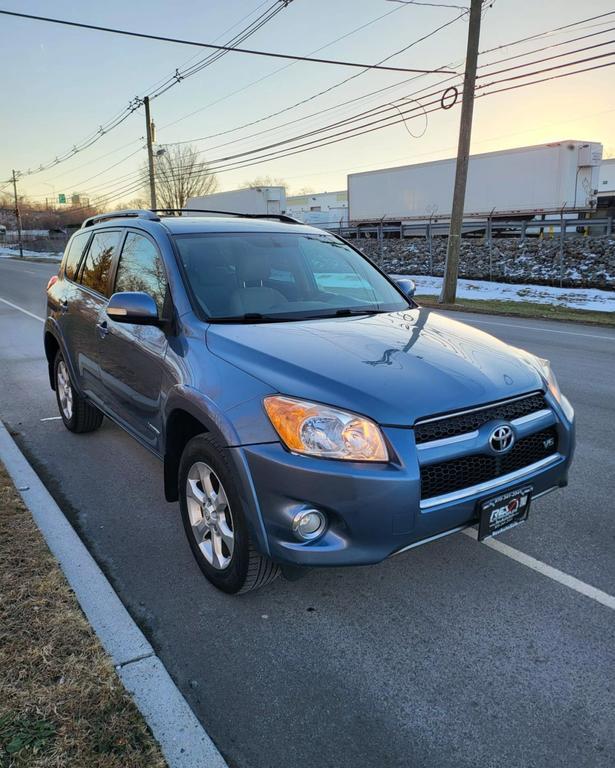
(460, 424)
(453, 475)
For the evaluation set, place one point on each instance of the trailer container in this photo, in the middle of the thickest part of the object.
(259, 200)
(322, 209)
(545, 177)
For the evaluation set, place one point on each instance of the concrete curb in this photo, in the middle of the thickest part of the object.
(183, 740)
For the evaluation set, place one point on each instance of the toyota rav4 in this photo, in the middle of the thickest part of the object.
(307, 411)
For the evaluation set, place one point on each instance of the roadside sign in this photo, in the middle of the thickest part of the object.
(62, 199)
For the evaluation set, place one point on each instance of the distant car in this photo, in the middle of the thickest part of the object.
(57, 232)
(308, 412)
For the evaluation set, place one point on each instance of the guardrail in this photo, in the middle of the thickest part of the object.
(488, 227)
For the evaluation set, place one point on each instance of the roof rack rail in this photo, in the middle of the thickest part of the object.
(278, 216)
(128, 214)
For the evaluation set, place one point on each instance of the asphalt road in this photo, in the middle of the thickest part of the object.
(449, 655)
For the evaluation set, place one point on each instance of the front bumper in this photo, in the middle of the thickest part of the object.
(373, 511)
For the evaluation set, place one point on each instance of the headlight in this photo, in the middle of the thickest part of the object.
(318, 430)
(545, 370)
(549, 377)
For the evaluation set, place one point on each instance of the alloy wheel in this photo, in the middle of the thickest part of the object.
(65, 391)
(210, 515)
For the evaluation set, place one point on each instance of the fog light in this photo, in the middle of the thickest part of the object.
(309, 524)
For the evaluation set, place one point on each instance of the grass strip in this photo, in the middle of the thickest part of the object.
(523, 309)
(61, 702)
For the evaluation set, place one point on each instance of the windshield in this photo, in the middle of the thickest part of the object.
(282, 276)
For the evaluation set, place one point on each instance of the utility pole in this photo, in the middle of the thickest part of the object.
(17, 215)
(150, 154)
(449, 284)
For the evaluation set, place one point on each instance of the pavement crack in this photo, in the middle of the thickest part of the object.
(136, 659)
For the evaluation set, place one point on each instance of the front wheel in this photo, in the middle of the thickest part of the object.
(214, 522)
(77, 414)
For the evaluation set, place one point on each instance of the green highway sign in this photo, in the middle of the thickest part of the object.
(62, 199)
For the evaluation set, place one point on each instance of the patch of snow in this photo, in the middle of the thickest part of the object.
(573, 298)
(7, 253)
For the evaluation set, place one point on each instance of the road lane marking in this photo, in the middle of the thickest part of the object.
(51, 418)
(547, 570)
(546, 330)
(21, 309)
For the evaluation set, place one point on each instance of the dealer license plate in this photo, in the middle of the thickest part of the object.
(499, 513)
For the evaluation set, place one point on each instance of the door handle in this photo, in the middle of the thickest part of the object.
(103, 329)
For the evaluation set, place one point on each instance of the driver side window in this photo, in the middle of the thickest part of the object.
(141, 269)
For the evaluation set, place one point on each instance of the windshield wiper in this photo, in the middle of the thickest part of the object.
(347, 312)
(258, 317)
(250, 317)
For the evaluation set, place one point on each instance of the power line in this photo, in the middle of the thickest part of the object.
(221, 165)
(175, 79)
(383, 120)
(321, 93)
(164, 81)
(235, 162)
(441, 70)
(286, 66)
(430, 5)
(372, 111)
(248, 51)
(390, 105)
(407, 47)
(99, 134)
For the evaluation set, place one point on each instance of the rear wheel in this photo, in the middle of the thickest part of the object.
(77, 414)
(214, 522)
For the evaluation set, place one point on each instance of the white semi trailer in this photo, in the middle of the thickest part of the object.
(545, 177)
(606, 184)
(259, 200)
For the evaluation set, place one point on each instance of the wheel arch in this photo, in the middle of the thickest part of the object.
(181, 426)
(52, 346)
(184, 420)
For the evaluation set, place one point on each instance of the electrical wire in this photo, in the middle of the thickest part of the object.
(108, 127)
(248, 51)
(286, 66)
(320, 93)
(412, 96)
(228, 95)
(301, 102)
(232, 162)
(175, 79)
(222, 165)
(261, 149)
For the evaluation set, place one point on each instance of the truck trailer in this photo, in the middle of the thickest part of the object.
(511, 182)
(259, 200)
(322, 209)
(606, 185)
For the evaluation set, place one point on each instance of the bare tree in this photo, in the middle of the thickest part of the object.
(264, 181)
(180, 174)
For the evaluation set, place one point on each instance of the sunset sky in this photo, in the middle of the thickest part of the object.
(60, 84)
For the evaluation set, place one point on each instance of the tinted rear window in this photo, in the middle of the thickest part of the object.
(99, 261)
(141, 269)
(74, 252)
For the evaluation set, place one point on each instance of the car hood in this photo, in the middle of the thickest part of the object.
(394, 367)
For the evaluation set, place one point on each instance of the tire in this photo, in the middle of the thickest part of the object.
(77, 414)
(214, 520)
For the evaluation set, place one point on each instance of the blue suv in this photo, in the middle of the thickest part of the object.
(308, 412)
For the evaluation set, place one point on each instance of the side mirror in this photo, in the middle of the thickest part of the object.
(406, 285)
(133, 307)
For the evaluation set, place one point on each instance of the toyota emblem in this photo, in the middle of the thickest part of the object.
(502, 439)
